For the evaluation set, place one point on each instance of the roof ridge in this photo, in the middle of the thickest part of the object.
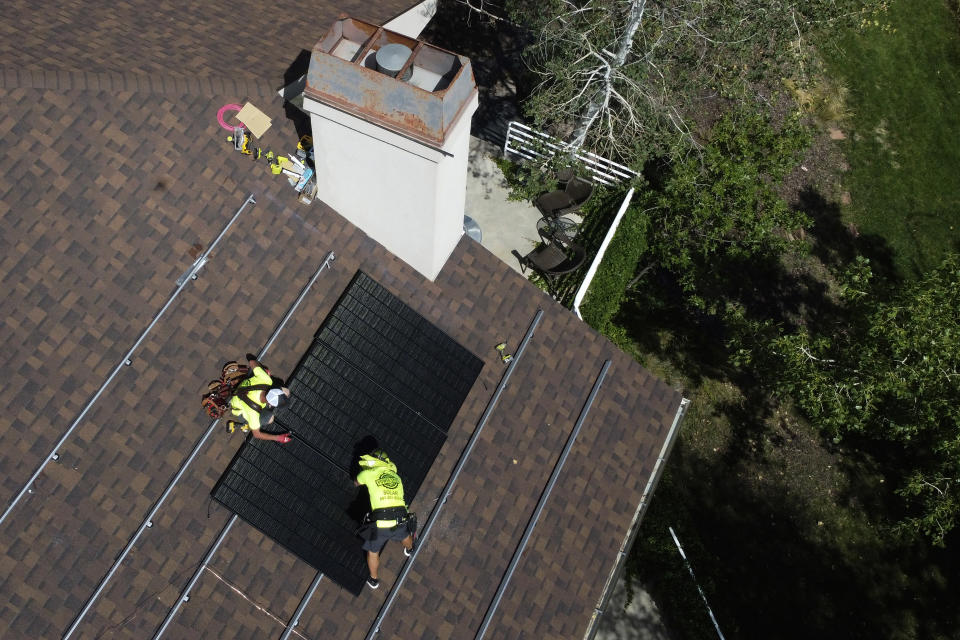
(131, 81)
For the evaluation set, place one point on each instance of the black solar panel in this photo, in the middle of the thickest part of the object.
(376, 369)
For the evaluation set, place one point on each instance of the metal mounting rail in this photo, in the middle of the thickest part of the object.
(448, 489)
(148, 521)
(304, 601)
(185, 594)
(182, 282)
(495, 603)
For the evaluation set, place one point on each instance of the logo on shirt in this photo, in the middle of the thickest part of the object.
(388, 480)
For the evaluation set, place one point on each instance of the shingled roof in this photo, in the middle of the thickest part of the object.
(115, 174)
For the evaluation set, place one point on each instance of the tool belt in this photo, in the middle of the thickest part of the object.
(389, 513)
(370, 531)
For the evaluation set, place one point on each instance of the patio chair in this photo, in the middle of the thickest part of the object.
(560, 202)
(552, 202)
(564, 175)
(579, 190)
(551, 260)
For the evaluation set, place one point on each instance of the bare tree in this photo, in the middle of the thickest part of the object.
(607, 70)
(620, 75)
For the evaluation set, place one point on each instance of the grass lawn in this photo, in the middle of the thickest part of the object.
(903, 148)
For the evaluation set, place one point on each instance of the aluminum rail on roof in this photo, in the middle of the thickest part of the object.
(448, 489)
(185, 594)
(148, 521)
(558, 467)
(182, 281)
(304, 601)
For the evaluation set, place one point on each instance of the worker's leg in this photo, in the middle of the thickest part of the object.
(407, 543)
(373, 563)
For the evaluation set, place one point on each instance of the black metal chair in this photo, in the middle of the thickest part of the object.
(551, 202)
(565, 175)
(552, 260)
(579, 190)
(567, 200)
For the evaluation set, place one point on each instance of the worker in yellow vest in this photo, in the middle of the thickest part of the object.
(388, 518)
(256, 401)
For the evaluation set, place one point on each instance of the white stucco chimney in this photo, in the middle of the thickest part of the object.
(391, 133)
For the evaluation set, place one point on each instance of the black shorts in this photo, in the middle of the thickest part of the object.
(384, 535)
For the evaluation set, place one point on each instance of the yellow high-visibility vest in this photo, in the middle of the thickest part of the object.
(240, 407)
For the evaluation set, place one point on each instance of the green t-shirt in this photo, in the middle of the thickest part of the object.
(385, 488)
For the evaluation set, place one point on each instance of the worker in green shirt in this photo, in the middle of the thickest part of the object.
(256, 401)
(388, 518)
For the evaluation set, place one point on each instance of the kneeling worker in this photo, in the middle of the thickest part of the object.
(388, 518)
(257, 400)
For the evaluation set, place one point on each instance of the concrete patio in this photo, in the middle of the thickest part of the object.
(505, 225)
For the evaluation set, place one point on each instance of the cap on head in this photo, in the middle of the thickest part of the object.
(276, 398)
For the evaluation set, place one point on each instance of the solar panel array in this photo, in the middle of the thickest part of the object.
(376, 371)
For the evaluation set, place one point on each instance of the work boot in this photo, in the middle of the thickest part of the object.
(373, 583)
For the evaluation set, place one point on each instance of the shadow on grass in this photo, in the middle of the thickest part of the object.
(838, 243)
(792, 292)
(659, 319)
(769, 570)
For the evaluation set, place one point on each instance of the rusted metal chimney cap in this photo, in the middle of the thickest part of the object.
(431, 88)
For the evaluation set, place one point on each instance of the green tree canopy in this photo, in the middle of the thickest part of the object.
(720, 207)
(891, 373)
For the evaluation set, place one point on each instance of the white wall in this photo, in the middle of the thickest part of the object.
(405, 195)
(451, 191)
(410, 23)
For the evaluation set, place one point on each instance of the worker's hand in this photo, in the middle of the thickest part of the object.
(284, 438)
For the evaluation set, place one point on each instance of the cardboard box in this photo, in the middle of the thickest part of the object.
(254, 120)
